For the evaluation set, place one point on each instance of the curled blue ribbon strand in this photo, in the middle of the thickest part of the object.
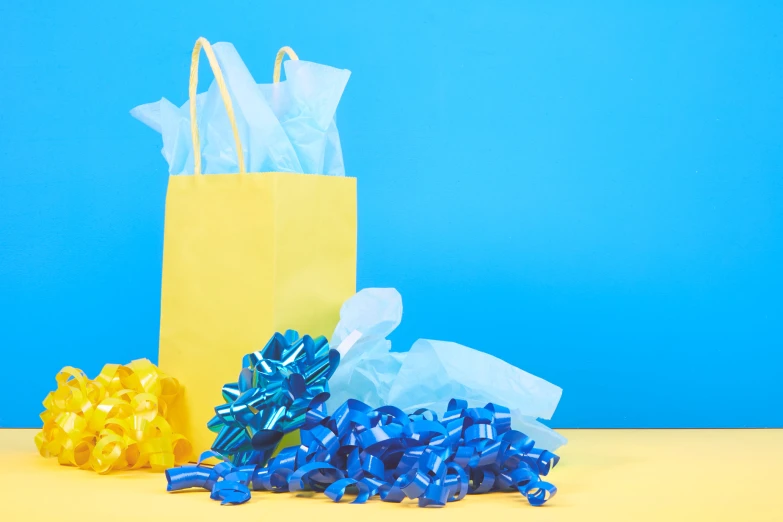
(279, 388)
(387, 453)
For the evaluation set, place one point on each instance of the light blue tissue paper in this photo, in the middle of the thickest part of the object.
(375, 312)
(305, 103)
(296, 133)
(436, 371)
(544, 436)
(431, 372)
(366, 372)
(266, 145)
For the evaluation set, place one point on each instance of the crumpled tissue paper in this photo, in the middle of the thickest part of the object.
(431, 372)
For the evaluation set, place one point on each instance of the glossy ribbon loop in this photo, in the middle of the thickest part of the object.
(280, 388)
(116, 421)
(387, 453)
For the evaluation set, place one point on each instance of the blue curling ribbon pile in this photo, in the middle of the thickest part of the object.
(276, 389)
(385, 452)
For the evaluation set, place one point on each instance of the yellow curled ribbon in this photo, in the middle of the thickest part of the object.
(116, 421)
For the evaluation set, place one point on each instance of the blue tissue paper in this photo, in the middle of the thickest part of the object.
(284, 127)
(431, 372)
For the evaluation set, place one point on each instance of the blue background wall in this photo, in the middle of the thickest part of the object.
(593, 193)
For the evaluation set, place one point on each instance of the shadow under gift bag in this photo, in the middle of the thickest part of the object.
(246, 255)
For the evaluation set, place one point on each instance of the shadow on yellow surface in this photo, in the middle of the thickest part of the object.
(604, 475)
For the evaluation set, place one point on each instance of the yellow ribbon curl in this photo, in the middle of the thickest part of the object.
(115, 421)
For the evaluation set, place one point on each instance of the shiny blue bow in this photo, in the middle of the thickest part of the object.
(276, 388)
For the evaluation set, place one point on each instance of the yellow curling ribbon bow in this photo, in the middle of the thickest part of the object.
(113, 422)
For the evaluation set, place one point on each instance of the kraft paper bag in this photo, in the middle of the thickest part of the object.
(246, 255)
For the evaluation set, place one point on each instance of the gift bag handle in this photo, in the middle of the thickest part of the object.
(279, 61)
(213, 63)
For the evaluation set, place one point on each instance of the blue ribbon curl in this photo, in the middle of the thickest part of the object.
(385, 452)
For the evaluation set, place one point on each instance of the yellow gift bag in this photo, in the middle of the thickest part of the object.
(246, 255)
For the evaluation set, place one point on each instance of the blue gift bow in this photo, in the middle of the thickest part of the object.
(276, 389)
(385, 452)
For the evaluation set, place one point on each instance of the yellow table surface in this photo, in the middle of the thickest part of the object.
(604, 475)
